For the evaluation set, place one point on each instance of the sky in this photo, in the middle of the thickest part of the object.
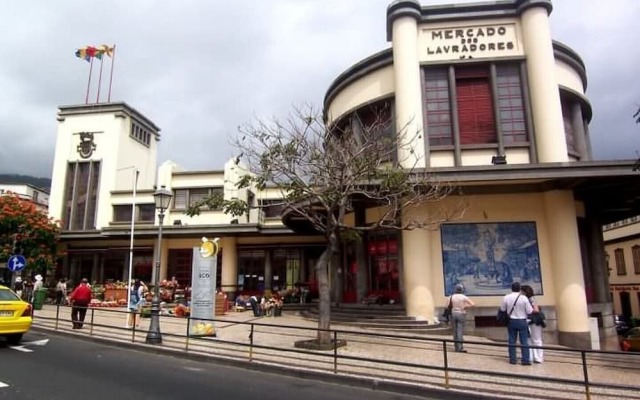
(199, 69)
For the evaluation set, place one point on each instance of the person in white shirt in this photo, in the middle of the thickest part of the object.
(459, 304)
(518, 307)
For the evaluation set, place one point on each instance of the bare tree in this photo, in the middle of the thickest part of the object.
(324, 171)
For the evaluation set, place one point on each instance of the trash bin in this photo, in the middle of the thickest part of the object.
(38, 298)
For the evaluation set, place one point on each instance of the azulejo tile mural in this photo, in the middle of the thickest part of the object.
(487, 257)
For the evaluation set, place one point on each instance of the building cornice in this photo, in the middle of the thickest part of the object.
(106, 108)
(460, 12)
(360, 69)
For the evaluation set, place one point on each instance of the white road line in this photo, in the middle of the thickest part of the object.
(3, 385)
(21, 348)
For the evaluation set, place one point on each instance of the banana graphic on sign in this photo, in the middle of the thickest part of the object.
(209, 248)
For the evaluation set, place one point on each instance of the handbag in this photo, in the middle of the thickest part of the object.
(502, 317)
(446, 314)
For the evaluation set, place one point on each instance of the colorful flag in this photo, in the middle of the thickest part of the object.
(89, 52)
(106, 49)
(82, 53)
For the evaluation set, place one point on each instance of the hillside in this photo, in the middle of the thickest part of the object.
(43, 183)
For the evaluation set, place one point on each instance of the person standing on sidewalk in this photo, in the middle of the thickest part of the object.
(80, 298)
(459, 305)
(518, 307)
(536, 323)
(61, 291)
(136, 298)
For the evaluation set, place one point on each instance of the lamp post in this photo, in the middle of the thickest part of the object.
(162, 197)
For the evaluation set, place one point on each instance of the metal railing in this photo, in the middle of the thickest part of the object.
(410, 360)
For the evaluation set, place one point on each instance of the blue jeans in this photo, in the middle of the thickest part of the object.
(458, 320)
(519, 328)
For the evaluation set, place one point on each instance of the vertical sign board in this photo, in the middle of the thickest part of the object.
(203, 290)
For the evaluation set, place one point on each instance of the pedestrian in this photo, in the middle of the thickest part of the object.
(61, 291)
(80, 299)
(536, 323)
(255, 306)
(518, 307)
(37, 285)
(459, 305)
(18, 286)
(136, 298)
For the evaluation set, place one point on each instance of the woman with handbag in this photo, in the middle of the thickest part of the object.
(536, 323)
(459, 304)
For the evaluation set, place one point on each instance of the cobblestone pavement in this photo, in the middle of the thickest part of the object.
(404, 362)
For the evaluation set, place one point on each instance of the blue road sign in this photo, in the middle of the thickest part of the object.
(16, 263)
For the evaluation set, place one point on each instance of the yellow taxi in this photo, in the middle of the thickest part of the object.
(15, 316)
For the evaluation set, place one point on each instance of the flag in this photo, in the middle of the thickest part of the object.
(82, 53)
(89, 52)
(106, 49)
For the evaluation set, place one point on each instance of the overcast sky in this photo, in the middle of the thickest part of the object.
(199, 69)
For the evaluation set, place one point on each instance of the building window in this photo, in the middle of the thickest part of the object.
(569, 131)
(510, 104)
(140, 133)
(81, 194)
(620, 265)
(476, 116)
(184, 198)
(438, 106)
(144, 213)
(272, 208)
(475, 107)
(635, 251)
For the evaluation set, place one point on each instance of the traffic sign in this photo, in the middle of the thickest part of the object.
(16, 263)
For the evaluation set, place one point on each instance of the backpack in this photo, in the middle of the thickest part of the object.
(135, 295)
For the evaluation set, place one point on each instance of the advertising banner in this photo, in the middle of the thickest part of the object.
(203, 288)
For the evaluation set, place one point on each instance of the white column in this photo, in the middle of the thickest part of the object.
(543, 86)
(408, 99)
(566, 264)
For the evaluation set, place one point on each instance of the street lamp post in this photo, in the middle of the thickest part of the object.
(162, 197)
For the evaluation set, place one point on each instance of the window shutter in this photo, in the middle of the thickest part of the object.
(475, 111)
(180, 199)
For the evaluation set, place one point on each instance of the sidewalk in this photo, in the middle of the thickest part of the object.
(368, 359)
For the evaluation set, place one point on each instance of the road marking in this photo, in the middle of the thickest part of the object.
(3, 385)
(23, 349)
(36, 343)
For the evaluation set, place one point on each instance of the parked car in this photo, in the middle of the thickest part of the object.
(622, 324)
(631, 340)
(15, 316)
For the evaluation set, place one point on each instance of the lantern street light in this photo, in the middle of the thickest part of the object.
(162, 198)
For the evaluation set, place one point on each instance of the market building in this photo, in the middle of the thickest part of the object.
(491, 103)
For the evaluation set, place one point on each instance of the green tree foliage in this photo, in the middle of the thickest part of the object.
(28, 230)
(323, 172)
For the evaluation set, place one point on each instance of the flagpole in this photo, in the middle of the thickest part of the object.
(133, 219)
(86, 99)
(113, 58)
(100, 79)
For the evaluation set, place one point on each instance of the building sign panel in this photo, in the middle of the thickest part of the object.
(468, 42)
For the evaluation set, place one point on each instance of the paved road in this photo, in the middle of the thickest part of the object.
(65, 368)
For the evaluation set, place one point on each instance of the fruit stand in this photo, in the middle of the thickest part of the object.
(115, 291)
